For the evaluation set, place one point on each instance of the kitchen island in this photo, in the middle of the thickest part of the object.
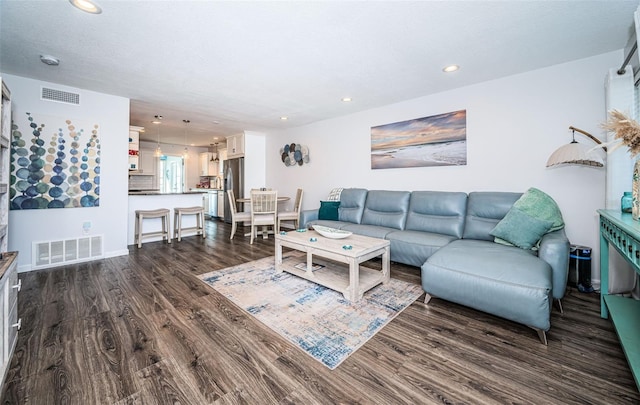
(151, 200)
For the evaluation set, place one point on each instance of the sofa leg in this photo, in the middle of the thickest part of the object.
(427, 298)
(542, 335)
(560, 306)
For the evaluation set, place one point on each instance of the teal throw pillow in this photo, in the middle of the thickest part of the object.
(329, 210)
(538, 204)
(520, 229)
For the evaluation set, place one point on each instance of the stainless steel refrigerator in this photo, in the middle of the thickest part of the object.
(233, 180)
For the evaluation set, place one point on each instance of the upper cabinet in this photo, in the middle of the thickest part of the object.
(208, 166)
(134, 147)
(235, 146)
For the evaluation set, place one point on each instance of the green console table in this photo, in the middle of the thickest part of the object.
(623, 233)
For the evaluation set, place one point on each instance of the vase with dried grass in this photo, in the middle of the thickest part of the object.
(627, 133)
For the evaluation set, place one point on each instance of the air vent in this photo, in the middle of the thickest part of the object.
(60, 96)
(59, 252)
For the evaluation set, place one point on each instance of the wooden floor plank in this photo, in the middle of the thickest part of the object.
(143, 329)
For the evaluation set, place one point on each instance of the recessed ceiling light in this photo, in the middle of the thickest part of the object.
(346, 99)
(450, 68)
(216, 122)
(88, 6)
(284, 118)
(49, 60)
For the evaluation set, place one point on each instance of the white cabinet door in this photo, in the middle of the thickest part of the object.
(221, 197)
(235, 146)
(204, 164)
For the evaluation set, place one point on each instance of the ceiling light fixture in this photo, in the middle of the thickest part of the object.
(284, 118)
(88, 6)
(185, 154)
(49, 60)
(450, 68)
(158, 152)
(346, 99)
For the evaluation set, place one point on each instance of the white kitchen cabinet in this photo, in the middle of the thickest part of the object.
(9, 287)
(221, 197)
(235, 146)
(208, 167)
(222, 154)
(206, 202)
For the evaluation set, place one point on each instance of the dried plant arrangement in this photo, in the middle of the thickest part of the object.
(627, 132)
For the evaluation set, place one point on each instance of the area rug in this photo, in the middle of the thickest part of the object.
(318, 320)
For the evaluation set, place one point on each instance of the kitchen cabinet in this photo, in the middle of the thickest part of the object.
(148, 162)
(10, 285)
(235, 146)
(206, 198)
(221, 197)
(208, 167)
(5, 156)
(222, 154)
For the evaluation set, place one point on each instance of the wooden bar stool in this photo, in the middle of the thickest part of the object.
(198, 211)
(141, 215)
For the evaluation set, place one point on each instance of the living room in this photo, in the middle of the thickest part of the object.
(513, 124)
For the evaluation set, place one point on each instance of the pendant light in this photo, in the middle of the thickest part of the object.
(215, 153)
(158, 121)
(185, 154)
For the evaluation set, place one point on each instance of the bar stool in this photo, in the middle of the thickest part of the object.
(198, 211)
(141, 215)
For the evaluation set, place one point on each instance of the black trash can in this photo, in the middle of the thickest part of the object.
(580, 268)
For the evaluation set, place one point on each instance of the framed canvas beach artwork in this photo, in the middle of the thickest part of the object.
(438, 140)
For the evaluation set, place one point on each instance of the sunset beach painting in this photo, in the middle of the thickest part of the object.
(438, 140)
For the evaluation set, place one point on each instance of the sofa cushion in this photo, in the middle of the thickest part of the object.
(386, 208)
(520, 229)
(352, 204)
(414, 247)
(328, 210)
(437, 211)
(484, 210)
(372, 231)
(502, 280)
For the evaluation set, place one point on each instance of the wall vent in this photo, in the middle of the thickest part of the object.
(60, 96)
(67, 251)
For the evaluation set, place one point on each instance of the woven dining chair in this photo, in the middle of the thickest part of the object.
(264, 210)
(235, 215)
(292, 215)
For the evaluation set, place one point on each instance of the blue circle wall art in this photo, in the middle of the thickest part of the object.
(57, 169)
(294, 154)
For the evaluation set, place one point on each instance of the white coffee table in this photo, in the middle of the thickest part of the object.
(342, 271)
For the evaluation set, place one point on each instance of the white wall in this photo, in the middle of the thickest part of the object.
(513, 126)
(110, 218)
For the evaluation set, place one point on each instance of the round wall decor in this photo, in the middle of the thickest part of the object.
(293, 154)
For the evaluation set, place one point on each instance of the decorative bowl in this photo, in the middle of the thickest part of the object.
(331, 233)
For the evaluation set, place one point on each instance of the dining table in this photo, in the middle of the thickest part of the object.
(265, 233)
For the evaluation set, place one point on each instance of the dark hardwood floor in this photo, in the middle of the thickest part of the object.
(142, 329)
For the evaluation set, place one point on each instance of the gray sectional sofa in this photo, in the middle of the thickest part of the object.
(447, 234)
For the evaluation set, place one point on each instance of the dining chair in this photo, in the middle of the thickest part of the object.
(264, 210)
(235, 215)
(292, 215)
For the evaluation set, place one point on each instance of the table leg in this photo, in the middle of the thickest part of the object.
(310, 265)
(386, 265)
(604, 274)
(278, 256)
(352, 292)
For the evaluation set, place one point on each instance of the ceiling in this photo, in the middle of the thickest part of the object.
(229, 66)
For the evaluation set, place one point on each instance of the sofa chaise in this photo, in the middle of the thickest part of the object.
(450, 235)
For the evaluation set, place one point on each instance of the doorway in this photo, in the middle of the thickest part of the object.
(171, 174)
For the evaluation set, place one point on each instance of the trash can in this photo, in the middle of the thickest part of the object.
(580, 268)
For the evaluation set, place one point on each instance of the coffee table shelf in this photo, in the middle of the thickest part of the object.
(342, 271)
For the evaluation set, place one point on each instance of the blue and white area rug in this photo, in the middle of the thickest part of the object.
(318, 320)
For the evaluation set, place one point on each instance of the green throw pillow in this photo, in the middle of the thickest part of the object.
(539, 205)
(329, 210)
(520, 229)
